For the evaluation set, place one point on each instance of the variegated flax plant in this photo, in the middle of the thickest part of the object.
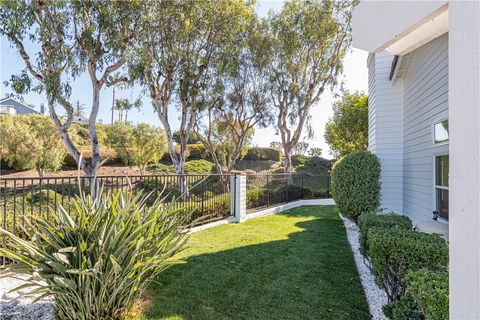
(97, 261)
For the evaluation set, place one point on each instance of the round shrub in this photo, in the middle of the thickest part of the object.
(356, 183)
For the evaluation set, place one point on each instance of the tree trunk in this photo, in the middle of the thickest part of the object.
(113, 103)
(288, 164)
(41, 172)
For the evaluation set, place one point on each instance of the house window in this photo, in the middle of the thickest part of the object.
(440, 132)
(441, 185)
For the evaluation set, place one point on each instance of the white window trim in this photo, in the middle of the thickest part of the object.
(435, 186)
(435, 122)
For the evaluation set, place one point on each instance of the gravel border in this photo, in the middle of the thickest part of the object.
(376, 297)
(16, 306)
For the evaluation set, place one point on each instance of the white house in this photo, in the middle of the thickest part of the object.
(424, 122)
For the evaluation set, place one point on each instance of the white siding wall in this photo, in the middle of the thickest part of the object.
(425, 99)
(385, 129)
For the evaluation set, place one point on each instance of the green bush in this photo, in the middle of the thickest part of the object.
(93, 274)
(291, 192)
(313, 165)
(199, 167)
(262, 154)
(430, 291)
(256, 197)
(394, 252)
(389, 221)
(161, 168)
(356, 183)
(198, 151)
(404, 309)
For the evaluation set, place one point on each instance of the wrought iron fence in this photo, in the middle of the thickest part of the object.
(207, 196)
(265, 190)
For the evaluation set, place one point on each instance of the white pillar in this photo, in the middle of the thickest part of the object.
(238, 197)
(464, 123)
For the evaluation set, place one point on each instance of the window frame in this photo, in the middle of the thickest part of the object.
(439, 187)
(434, 123)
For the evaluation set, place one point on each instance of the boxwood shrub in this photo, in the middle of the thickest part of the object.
(356, 183)
(377, 219)
(406, 308)
(426, 297)
(429, 289)
(394, 252)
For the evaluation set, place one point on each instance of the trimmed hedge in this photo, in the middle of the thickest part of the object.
(262, 154)
(426, 297)
(430, 291)
(394, 252)
(404, 309)
(389, 221)
(356, 183)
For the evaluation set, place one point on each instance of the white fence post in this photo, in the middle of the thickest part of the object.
(238, 197)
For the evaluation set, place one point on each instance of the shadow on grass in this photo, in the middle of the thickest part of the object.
(310, 275)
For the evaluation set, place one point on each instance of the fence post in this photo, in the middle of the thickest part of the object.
(238, 197)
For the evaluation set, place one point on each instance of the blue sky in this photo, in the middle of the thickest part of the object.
(354, 78)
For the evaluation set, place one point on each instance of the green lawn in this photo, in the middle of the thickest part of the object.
(294, 265)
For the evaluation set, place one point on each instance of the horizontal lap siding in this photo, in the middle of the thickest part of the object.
(425, 100)
(385, 128)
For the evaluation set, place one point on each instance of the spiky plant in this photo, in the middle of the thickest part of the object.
(97, 260)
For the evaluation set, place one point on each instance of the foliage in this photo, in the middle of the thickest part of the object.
(138, 145)
(403, 309)
(309, 40)
(311, 165)
(394, 252)
(197, 151)
(257, 197)
(194, 138)
(239, 100)
(356, 183)
(276, 145)
(108, 156)
(60, 40)
(124, 105)
(93, 274)
(430, 291)
(315, 152)
(300, 148)
(199, 167)
(161, 168)
(31, 142)
(347, 130)
(262, 154)
(391, 220)
(176, 56)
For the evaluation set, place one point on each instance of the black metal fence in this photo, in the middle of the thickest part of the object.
(265, 190)
(207, 196)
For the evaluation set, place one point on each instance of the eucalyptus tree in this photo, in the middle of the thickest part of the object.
(60, 40)
(181, 42)
(240, 100)
(309, 40)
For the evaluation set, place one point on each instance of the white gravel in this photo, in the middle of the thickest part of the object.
(16, 306)
(376, 297)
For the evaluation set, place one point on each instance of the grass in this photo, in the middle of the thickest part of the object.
(294, 265)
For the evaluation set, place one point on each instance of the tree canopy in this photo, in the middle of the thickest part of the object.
(347, 130)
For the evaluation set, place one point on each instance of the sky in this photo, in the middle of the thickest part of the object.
(354, 78)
